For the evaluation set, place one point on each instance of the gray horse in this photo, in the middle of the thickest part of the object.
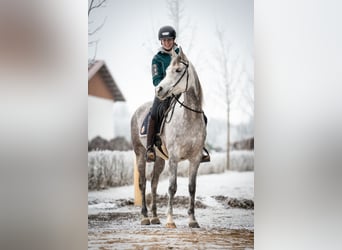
(183, 136)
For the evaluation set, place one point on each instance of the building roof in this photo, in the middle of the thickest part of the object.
(99, 66)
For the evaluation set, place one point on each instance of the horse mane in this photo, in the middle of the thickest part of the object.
(198, 86)
(176, 60)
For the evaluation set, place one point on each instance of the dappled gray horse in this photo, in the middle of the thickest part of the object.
(183, 136)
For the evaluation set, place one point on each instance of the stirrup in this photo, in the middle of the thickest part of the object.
(205, 157)
(150, 154)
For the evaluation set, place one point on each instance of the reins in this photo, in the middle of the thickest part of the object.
(193, 110)
(186, 89)
(173, 105)
(176, 98)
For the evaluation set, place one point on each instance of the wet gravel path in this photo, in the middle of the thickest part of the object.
(224, 211)
(222, 227)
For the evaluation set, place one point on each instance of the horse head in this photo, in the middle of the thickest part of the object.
(176, 79)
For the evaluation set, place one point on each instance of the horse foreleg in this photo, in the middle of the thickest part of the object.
(157, 169)
(172, 191)
(142, 186)
(192, 191)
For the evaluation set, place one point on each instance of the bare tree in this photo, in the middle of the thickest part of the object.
(183, 26)
(246, 102)
(93, 5)
(152, 42)
(176, 10)
(248, 94)
(185, 30)
(230, 75)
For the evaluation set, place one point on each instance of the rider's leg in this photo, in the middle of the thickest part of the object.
(150, 153)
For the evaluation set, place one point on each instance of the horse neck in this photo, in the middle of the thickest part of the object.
(193, 96)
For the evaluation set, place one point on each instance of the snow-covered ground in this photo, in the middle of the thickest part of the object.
(114, 222)
(230, 184)
(115, 168)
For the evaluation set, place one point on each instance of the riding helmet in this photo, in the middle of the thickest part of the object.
(166, 32)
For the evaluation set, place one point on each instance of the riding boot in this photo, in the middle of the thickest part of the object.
(150, 153)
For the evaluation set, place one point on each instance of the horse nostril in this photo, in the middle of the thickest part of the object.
(159, 89)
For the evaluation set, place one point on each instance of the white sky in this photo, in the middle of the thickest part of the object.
(129, 36)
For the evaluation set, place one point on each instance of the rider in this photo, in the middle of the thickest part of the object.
(160, 62)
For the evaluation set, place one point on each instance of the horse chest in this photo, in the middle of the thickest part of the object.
(185, 134)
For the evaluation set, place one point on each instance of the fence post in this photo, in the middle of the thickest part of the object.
(137, 193)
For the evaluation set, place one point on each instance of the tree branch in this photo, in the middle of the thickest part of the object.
(94, 6)
(98, 28)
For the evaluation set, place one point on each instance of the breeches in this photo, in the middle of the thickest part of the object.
(154, 109)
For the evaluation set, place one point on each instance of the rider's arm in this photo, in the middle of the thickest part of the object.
(157, 72)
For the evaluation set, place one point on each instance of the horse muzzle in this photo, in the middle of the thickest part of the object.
(161, 93)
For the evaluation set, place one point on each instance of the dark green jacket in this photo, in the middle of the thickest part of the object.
(160, 62)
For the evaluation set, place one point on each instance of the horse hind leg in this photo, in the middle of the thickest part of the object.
(157, 169)
(193, 168)
(172, 191)
(142, 186)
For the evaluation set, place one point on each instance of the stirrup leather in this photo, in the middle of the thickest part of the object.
(150, 154)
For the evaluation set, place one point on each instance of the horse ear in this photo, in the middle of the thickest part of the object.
(181, 54)
(173, 54)
(180, 51)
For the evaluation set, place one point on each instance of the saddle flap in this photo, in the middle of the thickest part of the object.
(161, 112)
(144, 125)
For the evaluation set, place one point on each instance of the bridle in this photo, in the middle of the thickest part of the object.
(187, 75)
(186, 88)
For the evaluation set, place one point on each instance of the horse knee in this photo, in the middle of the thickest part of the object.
(172, 189)
(142, 184)
(191, 211)
(192, 188)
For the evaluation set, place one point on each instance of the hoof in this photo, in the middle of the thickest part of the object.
(155, 220)
(170, 225)
(145, 221)
(194, 224)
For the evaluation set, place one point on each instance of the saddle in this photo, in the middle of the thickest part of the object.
(162, 112)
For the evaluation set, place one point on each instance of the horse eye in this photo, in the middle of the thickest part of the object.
(178, 70)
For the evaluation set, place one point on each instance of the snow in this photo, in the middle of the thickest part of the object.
(115, 168)
(112, 216)
(230, 184)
